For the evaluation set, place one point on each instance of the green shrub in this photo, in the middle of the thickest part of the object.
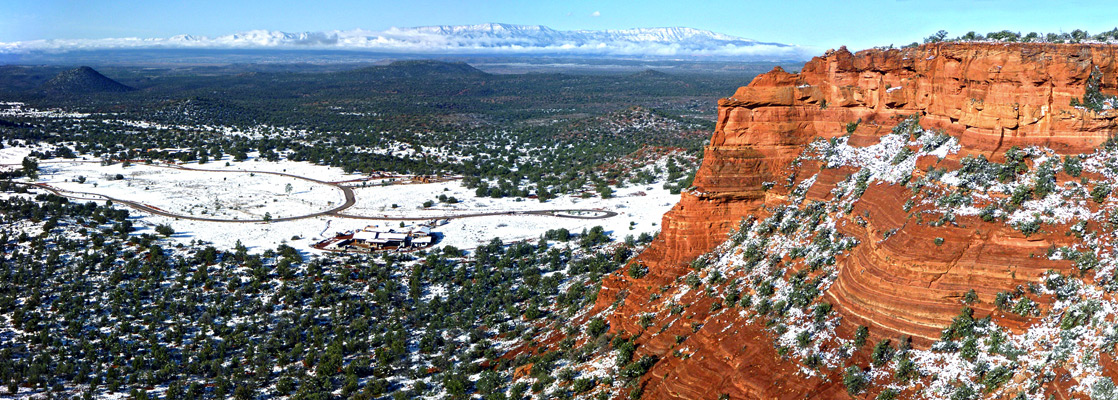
(852, 126)
(970, 297)
(1073, 166)
(906, 370)
(996, 377)
(861, 335)
(887, 394)
(1093, 99)
(596, 327)
(855, 380)
(637, 270)
(1100, 192)
(882, 352)
(164, 230)
(1029, 228)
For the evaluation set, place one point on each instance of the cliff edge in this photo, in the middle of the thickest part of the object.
(879, 150)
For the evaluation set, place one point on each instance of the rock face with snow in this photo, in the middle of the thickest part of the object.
(906, 277)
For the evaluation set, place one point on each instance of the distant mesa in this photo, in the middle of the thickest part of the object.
(419, 68)
(83, 80)
(651, 73)
(411, 69)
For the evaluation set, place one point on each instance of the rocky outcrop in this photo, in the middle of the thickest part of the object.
(990, 96)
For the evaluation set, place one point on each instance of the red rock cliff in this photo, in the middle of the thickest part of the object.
(990, 96)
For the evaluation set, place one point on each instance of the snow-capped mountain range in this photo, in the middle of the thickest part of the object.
(505, 39)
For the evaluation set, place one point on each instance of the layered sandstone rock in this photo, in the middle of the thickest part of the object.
(990, 96)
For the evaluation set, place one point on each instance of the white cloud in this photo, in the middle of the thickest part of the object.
(596, 14)
(485, 38)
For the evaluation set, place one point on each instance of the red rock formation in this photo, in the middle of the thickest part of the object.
(990, 96)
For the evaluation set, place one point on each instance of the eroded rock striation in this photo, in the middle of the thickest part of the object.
(906, 276)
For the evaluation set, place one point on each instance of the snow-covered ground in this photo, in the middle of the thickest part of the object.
(256, 237)
(249, 196)
(304, 169)
(639, 207)
(226, 195)
(12, 155)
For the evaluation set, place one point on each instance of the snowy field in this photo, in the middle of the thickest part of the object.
(239, 194)
(304, 169)
(643, 206)
(12, 156)
(225, 195)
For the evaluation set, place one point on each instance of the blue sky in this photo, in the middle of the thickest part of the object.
(820, 24)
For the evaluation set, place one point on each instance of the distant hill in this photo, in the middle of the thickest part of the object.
(650, 73)
(83, 80)
(421, 69)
